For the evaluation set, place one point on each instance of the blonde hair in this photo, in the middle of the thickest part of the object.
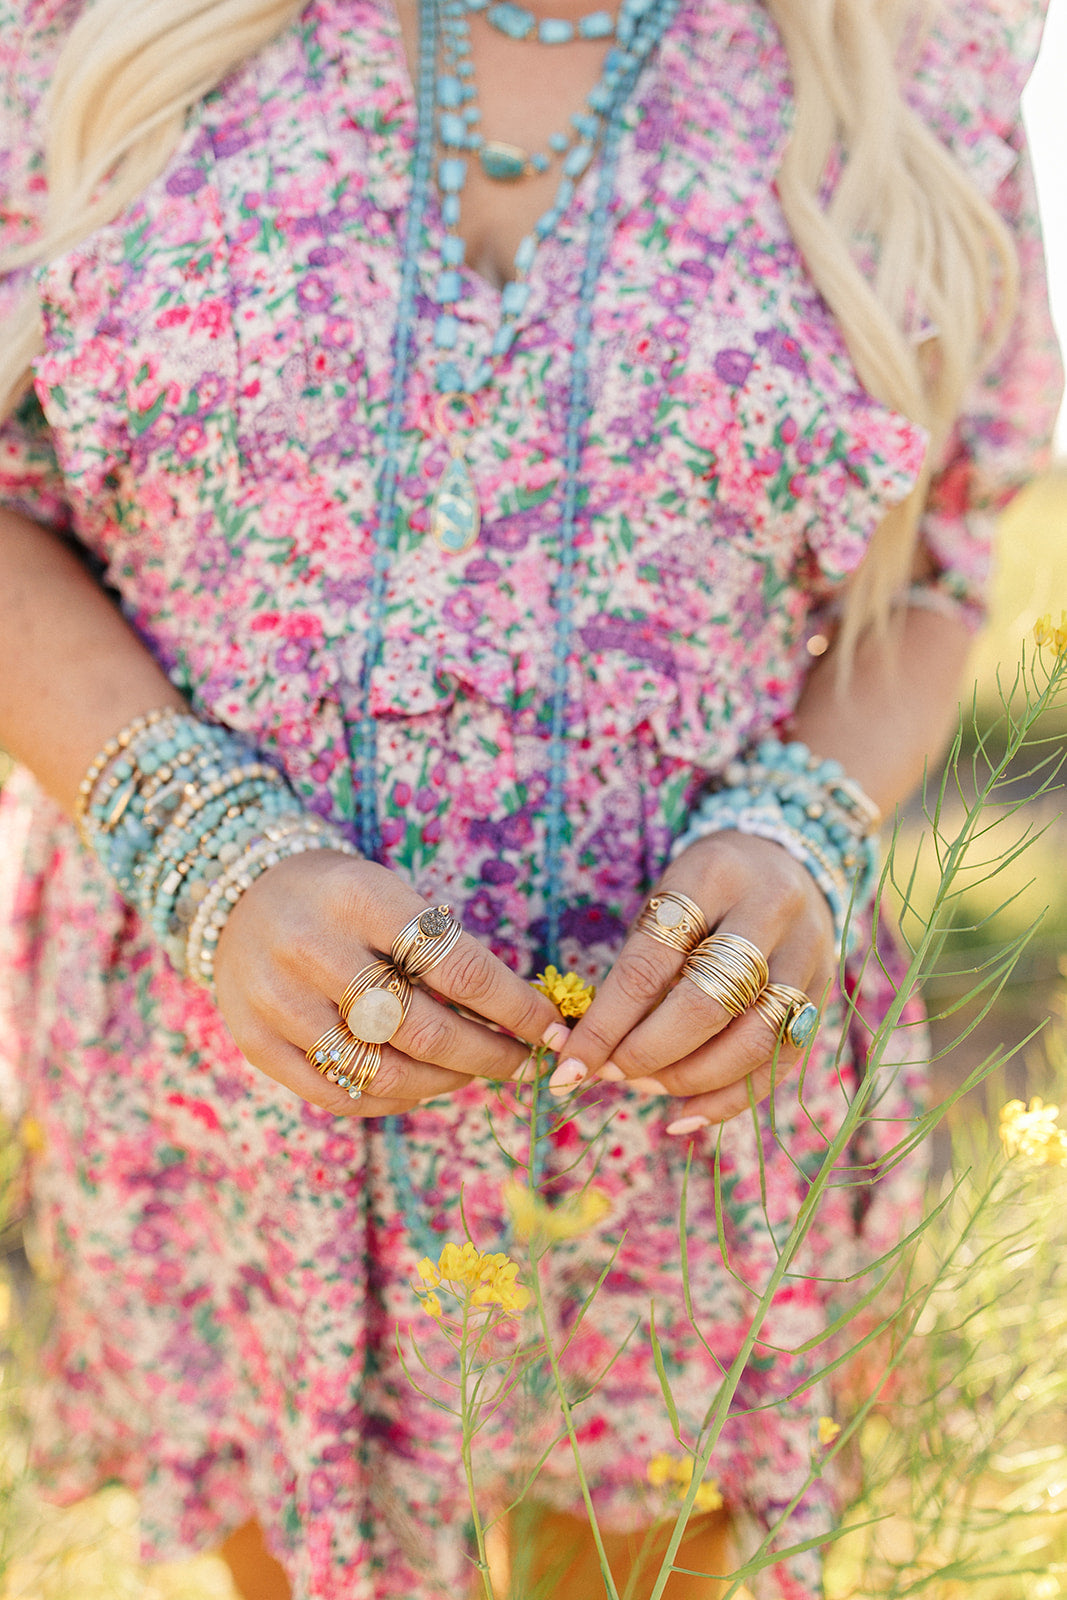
(127, 75)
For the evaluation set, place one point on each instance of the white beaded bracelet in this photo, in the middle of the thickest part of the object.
(279, 840)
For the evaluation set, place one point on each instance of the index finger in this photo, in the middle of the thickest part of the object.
(642, 975)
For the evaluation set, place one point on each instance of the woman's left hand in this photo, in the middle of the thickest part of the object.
(645, 1024)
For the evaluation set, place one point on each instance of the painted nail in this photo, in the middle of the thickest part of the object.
(556, 1035)
(686, 1125)
(567, 1075)
(610, 1073)
(647, 1086)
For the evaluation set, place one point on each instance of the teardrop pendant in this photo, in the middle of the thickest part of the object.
(455, 515)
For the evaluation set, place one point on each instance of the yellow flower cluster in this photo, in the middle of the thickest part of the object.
(677, 1472)
(571, 995)
(1055, 637)
(473, 1277)
(531, 1217)
(828, 1430)
(1031, 1132)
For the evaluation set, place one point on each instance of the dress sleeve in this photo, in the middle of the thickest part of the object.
(30, 477)
(967, 87)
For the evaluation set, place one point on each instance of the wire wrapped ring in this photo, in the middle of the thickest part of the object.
(729, 970)
(673, 919)
(341, 1058)
(425, 940)
(791, 1013)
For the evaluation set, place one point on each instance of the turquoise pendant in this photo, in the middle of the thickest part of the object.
(455, 516)
(504, 162)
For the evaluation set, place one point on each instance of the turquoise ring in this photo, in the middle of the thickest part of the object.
(791, 1013)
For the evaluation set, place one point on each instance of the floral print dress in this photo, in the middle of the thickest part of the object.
(230, 1264)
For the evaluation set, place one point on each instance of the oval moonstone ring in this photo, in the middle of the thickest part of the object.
(376, 1015)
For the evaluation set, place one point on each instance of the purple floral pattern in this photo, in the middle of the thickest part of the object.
(230, 1263)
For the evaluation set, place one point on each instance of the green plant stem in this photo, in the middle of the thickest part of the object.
(568, 1419)
(557, 1374)
(468, 1438)
(929, 940)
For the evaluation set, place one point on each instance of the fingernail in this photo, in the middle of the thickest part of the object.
(686, 1125)
(647, 1086)
(556, 1035)
(567, 1075)
(610, 1073)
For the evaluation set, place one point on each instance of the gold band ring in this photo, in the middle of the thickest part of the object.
(674, 920)
(791, 1013)
(729, 970)
(425, 940)
(376, 1002)
(341, 1058)
(327, 1051)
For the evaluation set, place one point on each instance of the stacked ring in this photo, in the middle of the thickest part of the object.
(341, 1058)
(791, 1013)
(674, 920)
(376, 1002)
(729, 970)
(425, 940)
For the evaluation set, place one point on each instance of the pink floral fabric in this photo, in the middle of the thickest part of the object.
(231, 1265)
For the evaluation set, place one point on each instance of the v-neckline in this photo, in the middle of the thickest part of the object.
(482, 301)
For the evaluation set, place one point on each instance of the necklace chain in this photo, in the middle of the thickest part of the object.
(363, 733)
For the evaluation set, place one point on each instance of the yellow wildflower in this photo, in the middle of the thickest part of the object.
(1030, 1132)
(708, 1497)
(661, 1469)
(431, 1305)
(828, 1430)
(1045, 633)
(473, 1276)
(576, 1215)
(677, 1471)
(31, 1135)
(569, 993)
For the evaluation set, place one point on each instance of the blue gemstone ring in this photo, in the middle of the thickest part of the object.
(792, 1015)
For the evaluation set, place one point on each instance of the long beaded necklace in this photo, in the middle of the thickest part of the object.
(455, 514)
(364, 732)
(619, 77)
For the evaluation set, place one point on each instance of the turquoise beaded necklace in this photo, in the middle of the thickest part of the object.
(518, 23)
(455, 515)
(646, 21)
(618, 80)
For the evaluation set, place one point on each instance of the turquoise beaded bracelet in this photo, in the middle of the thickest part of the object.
(809, 806)
(177, 810)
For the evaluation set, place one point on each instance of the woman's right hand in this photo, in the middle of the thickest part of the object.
(292, 945)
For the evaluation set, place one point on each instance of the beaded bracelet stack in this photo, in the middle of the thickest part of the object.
(784, 793)
(184, 817)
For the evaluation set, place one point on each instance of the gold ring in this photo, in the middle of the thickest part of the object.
(366, 1072)
(376, 1002)
(717, 983)
(792, 1014)
(729, 970)
(674, 920)
(357, 1066)
(327, 1051)
(425, 940)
